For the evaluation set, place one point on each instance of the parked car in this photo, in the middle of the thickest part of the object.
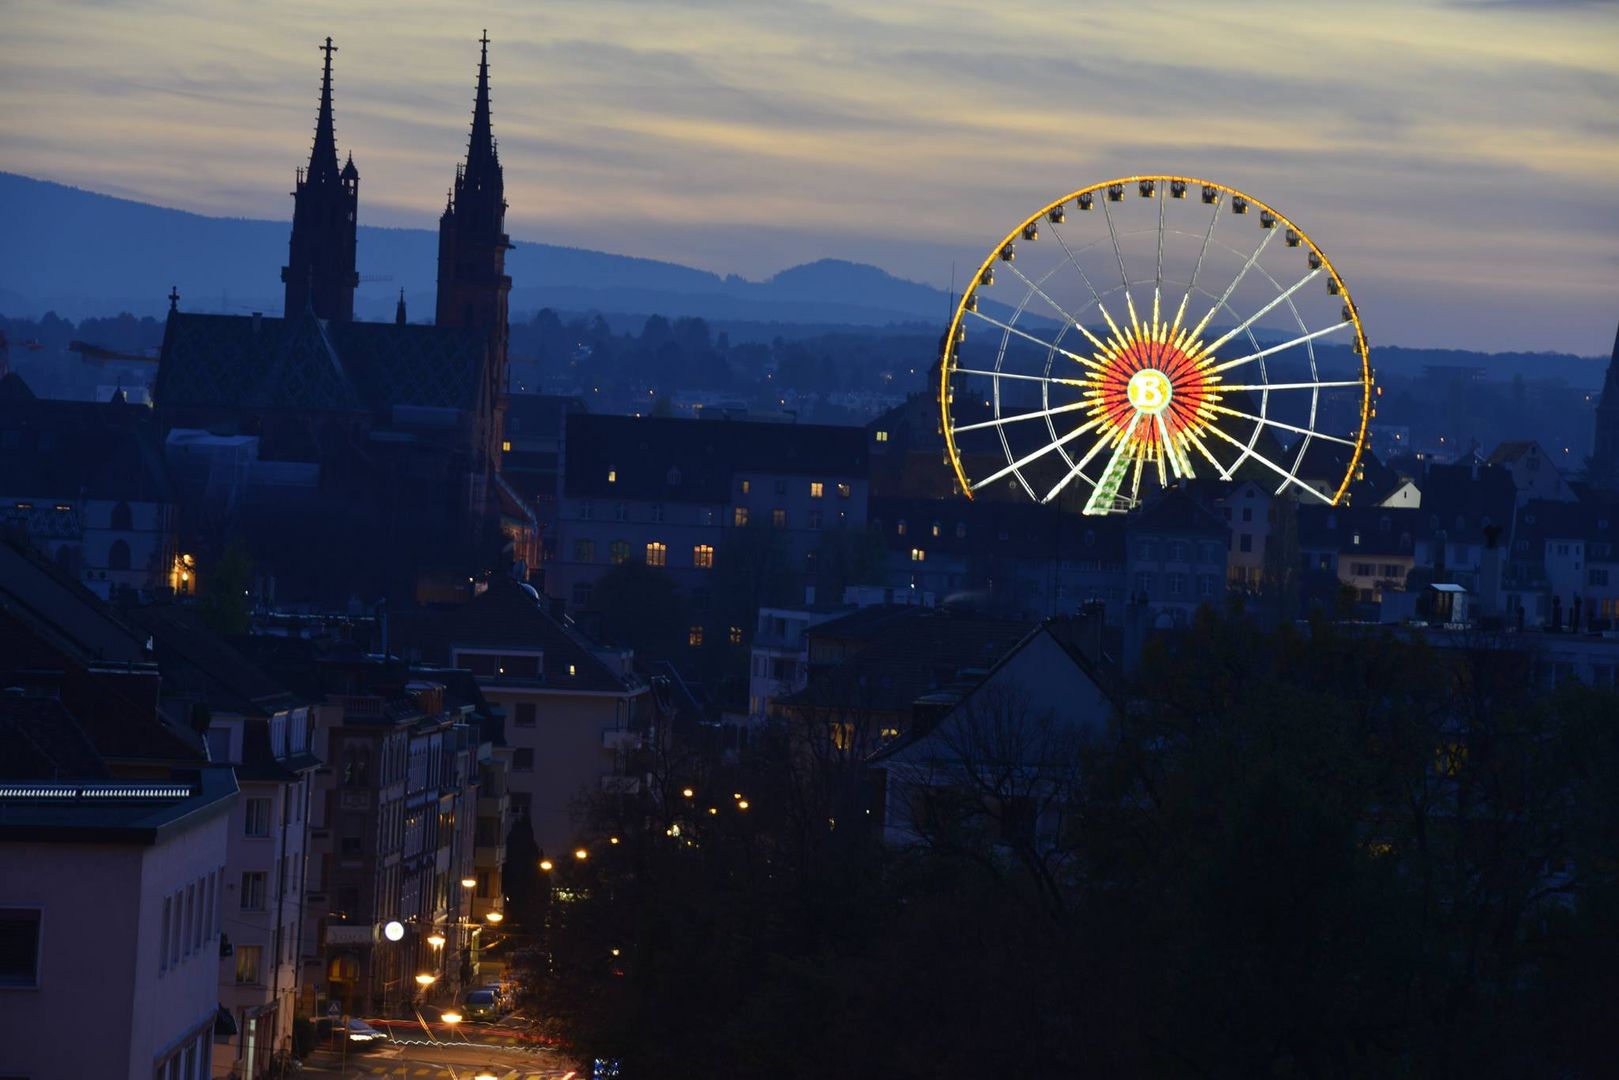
(481, 1004)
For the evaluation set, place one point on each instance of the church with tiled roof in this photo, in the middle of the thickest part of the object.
(392, 411)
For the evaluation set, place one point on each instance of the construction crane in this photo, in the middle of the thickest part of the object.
(95, 354)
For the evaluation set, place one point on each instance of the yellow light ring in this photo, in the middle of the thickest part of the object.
(948, 362)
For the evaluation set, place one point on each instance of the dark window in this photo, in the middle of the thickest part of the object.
(19, 947)
(521, 801)
(118, 556)
(522, 761)
(523, 713)
(122, 519)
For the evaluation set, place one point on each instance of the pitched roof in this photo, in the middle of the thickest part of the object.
(199, 663)
(40, 740)
(1358, 530)
(78, 449)
(232, 361)
(682, 460)
(907, 652)
(1509, 452)
(1176, 511)
(506, 616)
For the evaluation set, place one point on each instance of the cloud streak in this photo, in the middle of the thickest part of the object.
(1456, 158)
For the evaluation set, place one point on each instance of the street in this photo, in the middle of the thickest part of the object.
(473, 1051)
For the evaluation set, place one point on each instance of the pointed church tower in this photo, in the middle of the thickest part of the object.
(472, 246)
(1604, 471)
(320, 265)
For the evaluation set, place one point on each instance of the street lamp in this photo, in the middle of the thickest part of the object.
(494, 916)
(581, 854)
(394, 931)
(424, 980)
(546, 864)
(436, 940)
(469, 883)
(486, 1074)
(450, 1016)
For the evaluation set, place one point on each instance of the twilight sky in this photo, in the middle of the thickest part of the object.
(1458, 160)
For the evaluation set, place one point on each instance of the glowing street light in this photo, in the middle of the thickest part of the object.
(687, 792)
(394, 931)
(469, 883)
(424, 980)
(494, 916)
(742, 805)
(450, 1017)
(546, 864)
(486, 1075)
(581, 854)
(436, 940)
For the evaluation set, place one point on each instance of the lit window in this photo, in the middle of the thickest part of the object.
(506, 445)
(740, 516)
(694, 636)
(746, 487)
(657, 554)
(817, 489)
(612, 475)
(778, 518)
(702, 557)
(843, 491)
(619, 552)
(882, 436)
(918, 555)
(249, 959)
(736, 635)
(936, 528)
(901, 529)
(890, 733)
(572, 671)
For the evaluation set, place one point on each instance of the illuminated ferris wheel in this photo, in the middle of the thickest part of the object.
(1151, 329)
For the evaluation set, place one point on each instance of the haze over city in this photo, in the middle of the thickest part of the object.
(1455, 158)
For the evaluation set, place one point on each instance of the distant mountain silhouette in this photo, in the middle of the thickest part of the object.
(81, 254)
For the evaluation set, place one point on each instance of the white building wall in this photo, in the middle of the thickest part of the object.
(110, 1001)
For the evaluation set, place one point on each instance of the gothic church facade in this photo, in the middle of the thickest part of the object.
(391, 430)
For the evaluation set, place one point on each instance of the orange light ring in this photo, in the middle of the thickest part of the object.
(948, 362)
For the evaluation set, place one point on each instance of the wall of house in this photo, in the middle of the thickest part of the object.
(563, 753)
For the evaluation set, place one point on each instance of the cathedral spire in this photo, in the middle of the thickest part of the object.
(323, 156)
(319, 274)
(1602, 472)
(481, 144)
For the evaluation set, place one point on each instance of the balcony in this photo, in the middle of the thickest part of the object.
(621, 785)
(619, 739)
(489, 855)
(494, 806)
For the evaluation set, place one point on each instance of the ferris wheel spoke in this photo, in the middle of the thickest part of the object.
(1179, 463)
(1197, 268)
(1124, 275)
(1036, 415)
(1225, 474)
(1231, 288)
(1277, 348)
(1059, 309)
(1079, 467)
(1086, 278)
(1052, 345)
(1015, 375)
(1285, 427)
(1089, 425)
(1261, 313)
(1268, 463)
(1287, 385)
(1158, 271)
